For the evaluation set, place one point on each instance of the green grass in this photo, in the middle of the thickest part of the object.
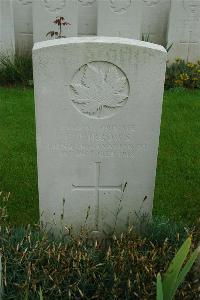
(18, 172)
(177, 193)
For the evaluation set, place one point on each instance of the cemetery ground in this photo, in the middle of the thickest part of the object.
(123, 267)
(178, 172)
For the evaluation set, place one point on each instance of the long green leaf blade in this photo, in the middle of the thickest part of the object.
(159, 289)
(40, 294)
(1, 279)
(187, 267)
(171, 275)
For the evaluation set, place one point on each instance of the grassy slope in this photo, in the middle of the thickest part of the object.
(178, 176)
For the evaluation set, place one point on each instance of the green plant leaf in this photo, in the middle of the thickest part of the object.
(169, 47)
(26, 295)
(187, 267)
(159, 289)
(1, 279)
(40, 294)
(170, 277)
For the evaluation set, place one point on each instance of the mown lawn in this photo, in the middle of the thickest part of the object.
(177, 193)
(18, 172)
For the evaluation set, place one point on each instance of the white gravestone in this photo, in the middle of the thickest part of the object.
(7, 37)
(98, 110)
(46, 11)
(87, 23)
(23, 24)
(155, 20)
(121, 18)
(184, 30)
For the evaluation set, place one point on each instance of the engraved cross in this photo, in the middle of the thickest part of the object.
(97, 188)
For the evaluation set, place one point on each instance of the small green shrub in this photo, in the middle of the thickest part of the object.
(183, 74)
(61, 23)
(16, 68)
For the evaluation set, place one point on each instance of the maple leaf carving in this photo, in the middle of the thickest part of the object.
(87, 2)
(99, 86)
(53, 5)
(151, 2)
(25, 2)
(120, 6)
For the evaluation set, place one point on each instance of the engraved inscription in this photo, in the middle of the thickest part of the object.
(108, 141)
(54, 6)
(25, 2)
(97, 188)
(151, 2)
(87, 2)
(120, 6)
(99, 89)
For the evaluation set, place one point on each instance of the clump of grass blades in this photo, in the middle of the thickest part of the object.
(124, 267)
(16, 68)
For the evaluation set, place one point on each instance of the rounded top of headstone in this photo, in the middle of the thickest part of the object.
(97, 40)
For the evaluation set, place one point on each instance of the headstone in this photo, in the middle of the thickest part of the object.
(121, 18)
(155, 20)
(7, 38)
(184, 30)
(23, 24)
(98, 110)
(46, 11)
(87, 24)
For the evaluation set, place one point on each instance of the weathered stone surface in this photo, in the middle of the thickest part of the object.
(23, 24)
(155, 20)
(46, 11)
(98, 109)
(87, 23)
(184, 33)
(7, 37)
(121, 18)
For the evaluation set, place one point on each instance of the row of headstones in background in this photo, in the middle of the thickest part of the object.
(127, 18)
(112, 17)
(124, 18)
(98, 110)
